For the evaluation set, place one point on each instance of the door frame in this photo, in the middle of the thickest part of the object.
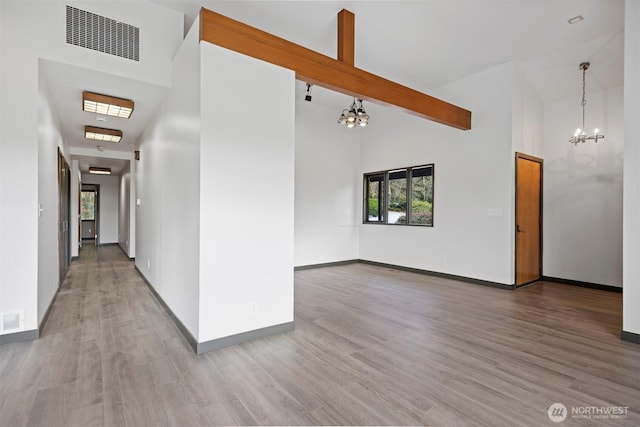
(95, 188)
(515, 226)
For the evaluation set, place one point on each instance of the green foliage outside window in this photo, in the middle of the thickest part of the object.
(87, 205)
(373, 207)
(413, 183)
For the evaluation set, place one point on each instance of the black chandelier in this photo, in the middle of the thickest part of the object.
(355, 115)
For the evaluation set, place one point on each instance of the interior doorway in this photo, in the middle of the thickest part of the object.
(528, 256)
(64, 215)
(90, 213)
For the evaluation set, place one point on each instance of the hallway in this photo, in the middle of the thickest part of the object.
(372, 346)
(95, 352)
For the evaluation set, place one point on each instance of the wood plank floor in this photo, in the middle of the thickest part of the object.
(372, 346)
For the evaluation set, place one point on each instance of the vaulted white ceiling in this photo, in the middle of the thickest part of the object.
(421, 44)
(426, 44)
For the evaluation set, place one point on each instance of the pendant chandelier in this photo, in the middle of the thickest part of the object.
(581, 135)
(355, 115)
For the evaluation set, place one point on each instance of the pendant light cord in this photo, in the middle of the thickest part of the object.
(584, 99)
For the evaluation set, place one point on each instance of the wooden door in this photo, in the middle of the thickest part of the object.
(528, 219)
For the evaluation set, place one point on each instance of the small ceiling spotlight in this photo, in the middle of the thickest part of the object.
(308, 95)
(575, 19)
(355, 115)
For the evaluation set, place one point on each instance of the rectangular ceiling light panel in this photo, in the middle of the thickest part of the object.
(101, 134)
(99, 171)
(105, 104)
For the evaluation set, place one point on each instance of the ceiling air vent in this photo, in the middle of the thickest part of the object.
(86, 29)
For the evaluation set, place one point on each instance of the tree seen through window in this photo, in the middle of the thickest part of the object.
(87, 205)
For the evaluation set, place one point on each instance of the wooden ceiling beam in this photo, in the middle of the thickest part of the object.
(321, 70)
(346, 37)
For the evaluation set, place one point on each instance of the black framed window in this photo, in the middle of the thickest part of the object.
(397, 191)
(421, 196)
(374, 198)
(400, 196)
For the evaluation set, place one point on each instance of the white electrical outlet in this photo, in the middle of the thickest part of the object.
(148, 264)
(444, 257)
(253, 308)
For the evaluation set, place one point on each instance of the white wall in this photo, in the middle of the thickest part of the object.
(472, 174)
(49, 139)
(2, 239)
(32, 30)
(19, 142)
(168, 186)
(583, 191)
(528, 120)
(631, 219)
(108, 206)
(123, 210)
(246, 194)
(328, 208)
